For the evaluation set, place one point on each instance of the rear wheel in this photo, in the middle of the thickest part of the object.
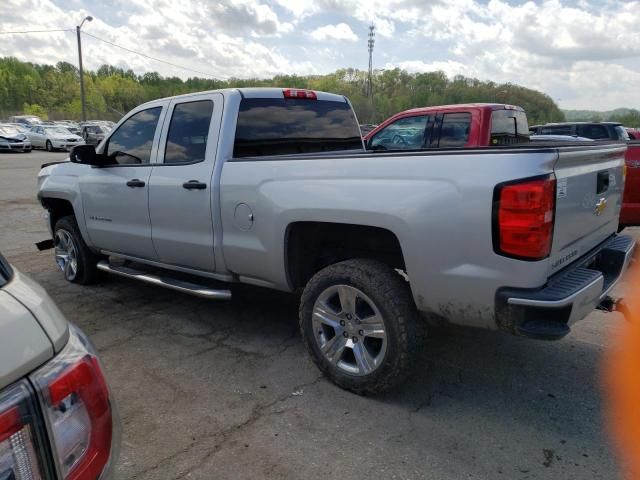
(74, 258)
(360, 325)
(49, 146)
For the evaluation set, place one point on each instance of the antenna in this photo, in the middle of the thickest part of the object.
(370, 43)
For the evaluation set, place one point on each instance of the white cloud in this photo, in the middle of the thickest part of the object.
(584, 52)
(341, 31)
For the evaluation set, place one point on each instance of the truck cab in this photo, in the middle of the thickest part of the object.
(464, 126)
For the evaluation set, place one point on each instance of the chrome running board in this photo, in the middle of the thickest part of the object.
(167, 282)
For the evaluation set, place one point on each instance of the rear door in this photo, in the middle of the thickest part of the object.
(181, 189)
(115, 198)
(588, 198)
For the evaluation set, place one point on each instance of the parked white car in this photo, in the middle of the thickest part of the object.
(12, 140)
(58, 418)
(53, 137)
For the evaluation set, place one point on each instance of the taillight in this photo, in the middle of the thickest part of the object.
(523, 218)
(299, 93)
(76, 402)
(18, 459)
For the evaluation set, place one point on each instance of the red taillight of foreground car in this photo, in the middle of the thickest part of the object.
(76, 402)
(18, 458)
(523, 218)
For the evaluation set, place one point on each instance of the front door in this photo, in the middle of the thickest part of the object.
(181, 189)
(115, 198)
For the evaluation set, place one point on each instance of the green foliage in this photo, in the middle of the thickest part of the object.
(629, 117)
(108, 89)
(35, 109)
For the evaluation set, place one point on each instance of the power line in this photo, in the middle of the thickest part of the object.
(38, 31)
(153, 58)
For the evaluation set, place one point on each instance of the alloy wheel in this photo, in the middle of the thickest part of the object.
(66, 254)
(349, 330)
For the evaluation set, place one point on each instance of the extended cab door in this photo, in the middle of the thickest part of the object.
(182, 193)
(115, 198)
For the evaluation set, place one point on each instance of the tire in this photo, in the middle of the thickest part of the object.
(49, 146)
(74, 258)
(379, 361)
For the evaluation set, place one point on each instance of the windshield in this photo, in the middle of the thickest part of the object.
(5, 271)
(9, 131)
(58, 130)
(508, 127)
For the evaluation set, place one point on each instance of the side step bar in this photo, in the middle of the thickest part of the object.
(167, 282)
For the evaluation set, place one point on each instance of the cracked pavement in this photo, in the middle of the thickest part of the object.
(206, 389)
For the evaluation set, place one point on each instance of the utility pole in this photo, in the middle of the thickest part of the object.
(82, 99)
(370, 43)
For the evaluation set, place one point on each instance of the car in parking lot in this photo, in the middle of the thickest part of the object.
(464, 125)
(27, 120)
(593, 130)
(12, 140)
(93, 133)
(53, 137)
(58, 418)
(272, 187)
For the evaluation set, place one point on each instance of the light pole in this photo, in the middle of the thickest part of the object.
(82, 100)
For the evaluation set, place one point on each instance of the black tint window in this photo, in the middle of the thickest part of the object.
(5, 271)
(596, 132)
(274, 126)
(132, 142)
(188, 131)
(454, 131)
(509, 127)
(557, 130)
(404, 134)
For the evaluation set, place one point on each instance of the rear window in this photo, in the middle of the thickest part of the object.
(5, 271)
(278, 126)
(509, 127)
(595, 132)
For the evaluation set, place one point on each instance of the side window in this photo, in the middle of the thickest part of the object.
(557, 130)
(455, 130)
(188, 132)
(596, 132)
(132, 142)
(404, 134)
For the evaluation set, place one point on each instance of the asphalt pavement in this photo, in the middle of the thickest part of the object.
(225, 390)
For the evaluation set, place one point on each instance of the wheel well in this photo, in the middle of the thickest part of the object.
(311, 246)
(58, 208)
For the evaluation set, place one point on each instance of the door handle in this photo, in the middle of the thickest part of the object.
(194, 185)
(135, 183)
(603, 182)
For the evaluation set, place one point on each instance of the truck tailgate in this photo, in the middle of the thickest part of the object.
(589, 192)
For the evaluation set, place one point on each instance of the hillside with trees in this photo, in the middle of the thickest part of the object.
(53, 91)
(629, 117)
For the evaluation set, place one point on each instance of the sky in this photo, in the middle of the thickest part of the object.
(584, 54)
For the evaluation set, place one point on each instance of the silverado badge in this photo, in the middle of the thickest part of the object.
(600, 206)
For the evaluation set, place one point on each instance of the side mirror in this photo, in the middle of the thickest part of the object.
(86, 155)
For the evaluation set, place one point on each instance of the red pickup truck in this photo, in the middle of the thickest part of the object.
(630, 214)
(476, 125)
(466, 126)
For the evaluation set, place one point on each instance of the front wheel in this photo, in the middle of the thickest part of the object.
(49, 146)
(360, 325)
(74, 258)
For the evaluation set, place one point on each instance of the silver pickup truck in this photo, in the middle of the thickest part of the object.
(272, 187)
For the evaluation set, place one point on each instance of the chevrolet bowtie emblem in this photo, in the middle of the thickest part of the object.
(600, 206)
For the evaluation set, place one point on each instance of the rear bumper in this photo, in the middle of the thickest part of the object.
(548, 312)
